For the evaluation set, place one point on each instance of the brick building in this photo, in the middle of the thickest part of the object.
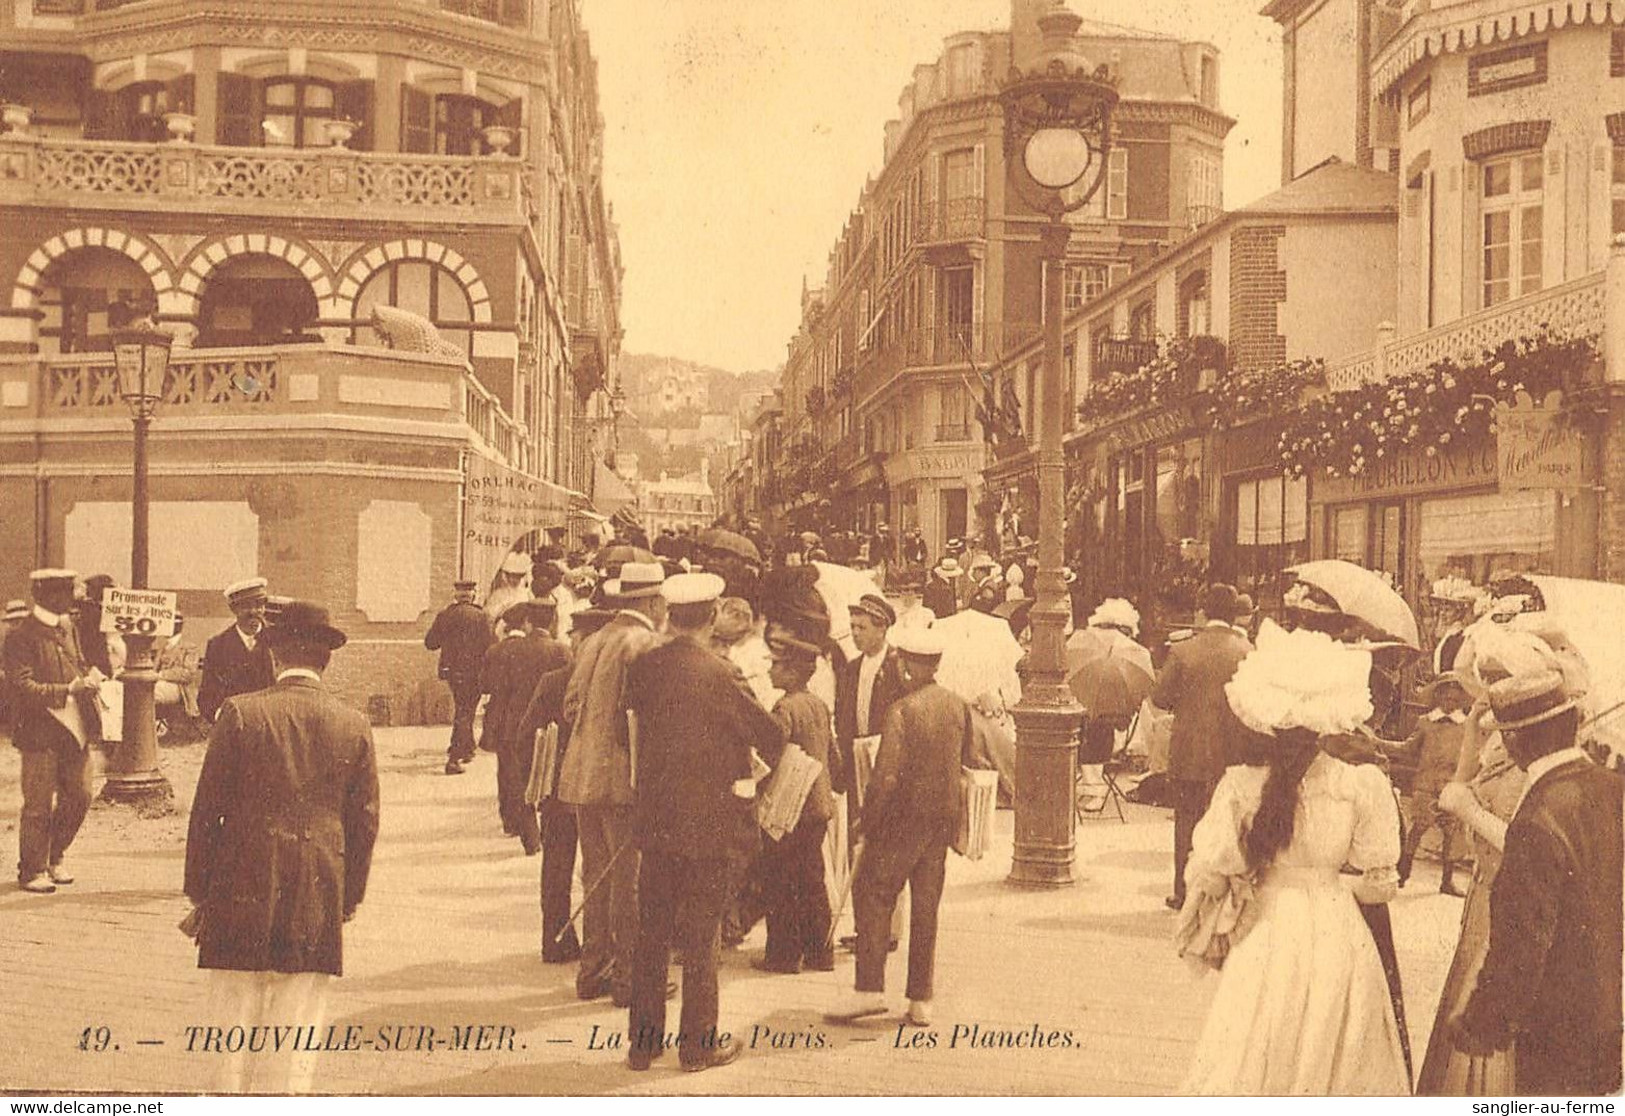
(936, 276)
(259, 181)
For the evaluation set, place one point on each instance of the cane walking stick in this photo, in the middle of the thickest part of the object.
(591, 891)
(846, 894)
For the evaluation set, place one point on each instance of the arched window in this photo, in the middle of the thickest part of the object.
(296, 112)
(86, 295)
(256, 300)
(423, 288)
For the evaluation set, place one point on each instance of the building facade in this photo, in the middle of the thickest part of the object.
(293, 194)
(686, 502)
(936, 277)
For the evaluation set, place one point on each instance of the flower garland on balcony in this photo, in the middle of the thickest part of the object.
(1247, 395)
(1162, 380)
(1430, 408)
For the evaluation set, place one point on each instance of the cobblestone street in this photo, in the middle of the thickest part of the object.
(448, 939)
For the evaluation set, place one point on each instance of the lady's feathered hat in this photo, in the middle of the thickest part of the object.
(1301, 680)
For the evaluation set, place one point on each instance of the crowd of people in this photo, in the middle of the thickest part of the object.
(720, 737)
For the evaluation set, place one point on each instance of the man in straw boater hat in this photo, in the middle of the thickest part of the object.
(696, 725)
(50, 684)
(233, 661)
(941, 594)
(461, 632)
(1550, 982)
(279, 848)
(596, 779)
(907, 824)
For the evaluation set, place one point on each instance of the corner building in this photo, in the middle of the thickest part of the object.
(259, 181)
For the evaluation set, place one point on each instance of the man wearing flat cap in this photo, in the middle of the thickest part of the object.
(596, 779)
(865, 687)
(233, 661)
(279, 848)
(696, 725)
(1551, 980)
(513, 667)
(907, 824)
(461, 633)
(52, 686)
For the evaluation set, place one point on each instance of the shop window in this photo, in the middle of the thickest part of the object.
(1476, 536)
(1347, 527)
(256, 300)
(1272, 530)
(1512, 223)
(86, 295)
(424, 288)
(1194, 318)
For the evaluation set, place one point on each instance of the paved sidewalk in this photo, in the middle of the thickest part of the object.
(448, 938)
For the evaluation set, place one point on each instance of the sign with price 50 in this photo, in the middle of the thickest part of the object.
(138, 612)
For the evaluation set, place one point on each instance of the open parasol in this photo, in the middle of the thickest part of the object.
(1110, 686)
(1088, 644)
(1364, 595)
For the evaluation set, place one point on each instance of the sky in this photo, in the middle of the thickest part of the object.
(738, 135)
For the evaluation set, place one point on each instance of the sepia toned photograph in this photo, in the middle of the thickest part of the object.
(1054, 548)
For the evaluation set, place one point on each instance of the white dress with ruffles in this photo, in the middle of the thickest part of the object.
(1302, 1006)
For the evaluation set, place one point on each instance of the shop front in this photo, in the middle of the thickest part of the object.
(1477, 512)
(1264, 515)
(935, 491)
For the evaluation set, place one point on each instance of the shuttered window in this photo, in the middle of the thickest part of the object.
(238, 111)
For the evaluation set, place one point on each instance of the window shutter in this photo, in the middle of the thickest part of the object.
(183, 93)
(979, 171)
(354, 102)
(417, 121)
(104, 115)
(512, 115)
(1117, 184)
(238, 108)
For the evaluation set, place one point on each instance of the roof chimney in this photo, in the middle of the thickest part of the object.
(1026, 39)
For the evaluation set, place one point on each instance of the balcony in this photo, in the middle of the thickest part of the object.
(1573, 309)
(955, 219)
(216, 389)
(334, 182)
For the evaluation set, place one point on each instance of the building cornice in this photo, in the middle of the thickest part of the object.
(1469, 27)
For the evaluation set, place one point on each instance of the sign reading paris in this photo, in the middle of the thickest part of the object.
(138, 612)
(1538, 447)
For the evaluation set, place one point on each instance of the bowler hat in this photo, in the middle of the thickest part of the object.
(305, 621)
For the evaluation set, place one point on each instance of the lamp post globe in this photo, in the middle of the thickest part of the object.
(1057, 120)
(141, 358)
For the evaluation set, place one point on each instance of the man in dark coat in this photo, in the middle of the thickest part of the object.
(233, 661)
(865, 687)
(696, 725)
(1205, 732)
(1551, 979)
(461, 632)
(941, 591)
(513, 667)
(908, 821)
(51, 688)
(279, 846)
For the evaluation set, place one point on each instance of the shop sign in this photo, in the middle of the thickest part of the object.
(1412, 472)
(1538, 447)
(925, 463)
(1158, 425)
(501, 505)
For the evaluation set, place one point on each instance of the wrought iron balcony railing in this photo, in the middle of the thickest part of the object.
(438, 188)
(953, 219)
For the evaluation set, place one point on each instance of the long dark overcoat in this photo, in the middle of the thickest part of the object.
(282, 830)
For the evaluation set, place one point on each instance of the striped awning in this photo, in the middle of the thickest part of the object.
(1448, 29)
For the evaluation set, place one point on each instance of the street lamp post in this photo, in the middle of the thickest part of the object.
(141, 354)
(1057, 133)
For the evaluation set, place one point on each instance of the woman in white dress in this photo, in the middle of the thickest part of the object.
(1302, 1006)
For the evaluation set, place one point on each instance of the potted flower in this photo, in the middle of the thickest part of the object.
(15, 117)
(182, 126)
(498, 138)
(340, 130)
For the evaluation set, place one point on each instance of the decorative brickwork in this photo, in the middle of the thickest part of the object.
(1616, 126)
(1257, 288)
(1498, 139)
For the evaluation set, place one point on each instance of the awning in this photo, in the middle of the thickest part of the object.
(609, 492)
